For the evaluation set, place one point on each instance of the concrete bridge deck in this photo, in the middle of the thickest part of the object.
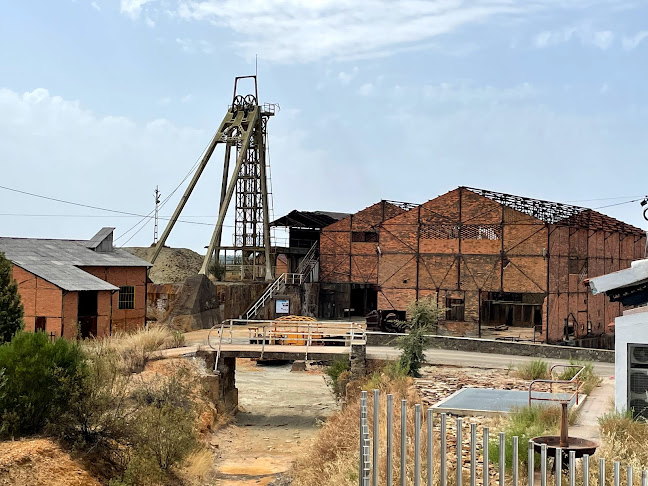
(269, 351)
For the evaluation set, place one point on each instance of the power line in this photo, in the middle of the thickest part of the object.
(603, 198)
(620, 203)
(69, 202)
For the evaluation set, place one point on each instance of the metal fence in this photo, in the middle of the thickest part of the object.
(425, 461)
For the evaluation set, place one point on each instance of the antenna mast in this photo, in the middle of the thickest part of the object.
(157, 209)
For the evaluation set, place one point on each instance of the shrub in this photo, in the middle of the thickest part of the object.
(527, 423)
(339, 374)
(98, 414)
(39, 377)
(424, 318)
(217, 270)
(533, 370)
(589, 380)
(11, 309)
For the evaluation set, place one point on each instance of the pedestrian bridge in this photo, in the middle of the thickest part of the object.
(268, 341)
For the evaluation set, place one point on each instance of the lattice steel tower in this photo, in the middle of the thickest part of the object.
(244, 127)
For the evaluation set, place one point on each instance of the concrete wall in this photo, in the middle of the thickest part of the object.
(630, 328)
(500, 347)
(124, 319)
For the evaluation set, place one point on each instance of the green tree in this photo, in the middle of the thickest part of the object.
(424, 319)
(40, 377)
(11, 309)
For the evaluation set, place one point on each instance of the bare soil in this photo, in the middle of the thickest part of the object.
(280, 414)
(35, 462)
(173, 265)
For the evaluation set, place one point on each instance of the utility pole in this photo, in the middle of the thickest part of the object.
(157, 208)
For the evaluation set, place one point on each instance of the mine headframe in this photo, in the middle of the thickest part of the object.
(243, 130)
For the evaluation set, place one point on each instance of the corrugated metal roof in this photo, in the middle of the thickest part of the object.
(67, 277)
(71, 252)
(58, 261)
(101, 235)
(308, 219)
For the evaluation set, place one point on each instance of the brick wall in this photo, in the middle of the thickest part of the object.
(40, 299)
(122, 319)
(344, 260)
(576, 254)
(500, 250)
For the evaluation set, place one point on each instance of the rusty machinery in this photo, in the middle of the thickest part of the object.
(244, 128)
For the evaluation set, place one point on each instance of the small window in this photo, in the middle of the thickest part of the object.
(40, 324)
(371, 236)
(127, 297)
(364, 236)
(455, 309)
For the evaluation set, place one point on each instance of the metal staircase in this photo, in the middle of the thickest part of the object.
(303, 273)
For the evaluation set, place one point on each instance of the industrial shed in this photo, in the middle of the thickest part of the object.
(71, 287)
(497, 259)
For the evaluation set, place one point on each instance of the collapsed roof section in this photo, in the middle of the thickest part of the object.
(559, 213)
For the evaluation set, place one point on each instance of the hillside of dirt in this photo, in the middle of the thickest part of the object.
(33, 462)
(173, 265)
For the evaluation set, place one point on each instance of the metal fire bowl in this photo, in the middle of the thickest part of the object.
(576, 444)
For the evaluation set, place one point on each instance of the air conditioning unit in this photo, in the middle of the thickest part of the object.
(638, 380)
(638, 355)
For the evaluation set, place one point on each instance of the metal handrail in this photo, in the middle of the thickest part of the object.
(551, 382)
(220, 342)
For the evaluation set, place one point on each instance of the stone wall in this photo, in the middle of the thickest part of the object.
(501, 347)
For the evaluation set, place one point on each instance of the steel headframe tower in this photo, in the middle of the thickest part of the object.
(243, 128)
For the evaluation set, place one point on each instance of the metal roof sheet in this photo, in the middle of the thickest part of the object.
(67, 277)
(70, 252)
(308, 219)
(58, 261)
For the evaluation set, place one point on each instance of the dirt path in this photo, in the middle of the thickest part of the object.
(280, 413)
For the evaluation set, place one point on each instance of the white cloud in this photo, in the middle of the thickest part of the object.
(602, 39)
(150, 22)
(43, 136)
(133, 8)
(191, 46)
(467, 93)
(604, 89)
(186, 98)
(96, 6)
(346, 78)
(367, 89)
(308, 30)
(630, 43)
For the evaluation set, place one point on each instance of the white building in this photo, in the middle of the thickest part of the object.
(630, 287)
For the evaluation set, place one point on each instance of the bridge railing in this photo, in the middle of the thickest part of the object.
(308, 334)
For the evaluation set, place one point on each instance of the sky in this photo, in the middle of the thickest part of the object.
(101, 101)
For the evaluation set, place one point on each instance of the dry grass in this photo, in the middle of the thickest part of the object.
(333, 457)
(198, 466)
(135, 349)
(624, 440)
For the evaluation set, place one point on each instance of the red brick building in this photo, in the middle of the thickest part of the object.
(349, 256)
(490, 259)
(70, 286)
